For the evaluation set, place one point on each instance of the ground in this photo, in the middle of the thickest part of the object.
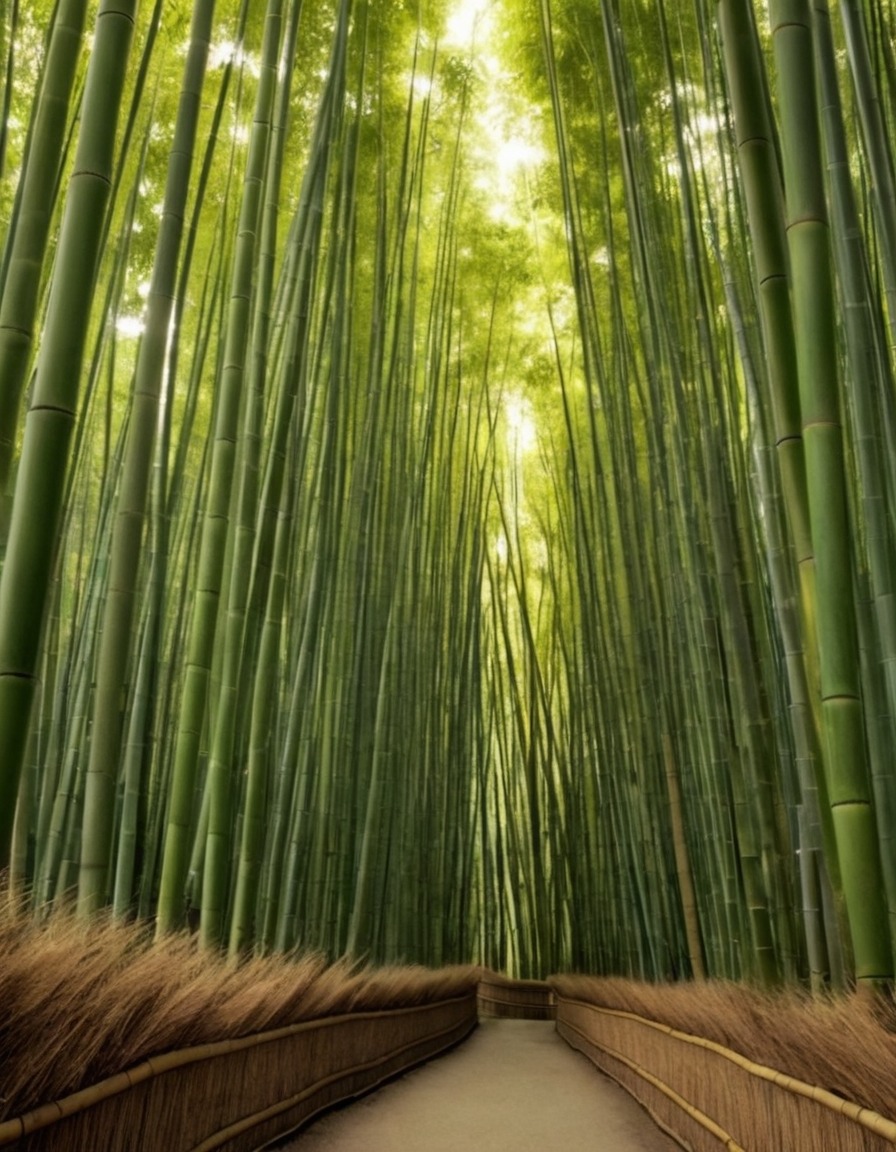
(514, 1085)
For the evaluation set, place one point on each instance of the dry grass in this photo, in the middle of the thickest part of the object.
(489, 976)
(80, 1002)
(845, 1044)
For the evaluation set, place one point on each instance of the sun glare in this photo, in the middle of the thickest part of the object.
(422, 85)
(130, 327)
(521, 432)
(466, 22)
(508, 143)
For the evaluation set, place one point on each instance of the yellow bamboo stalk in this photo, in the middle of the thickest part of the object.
(683, 862)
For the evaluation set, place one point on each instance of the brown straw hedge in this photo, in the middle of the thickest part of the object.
(240, 1094)
(845, 1044)
(80, 1002)
(768, 1071)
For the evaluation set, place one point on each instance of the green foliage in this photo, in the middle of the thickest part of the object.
(468, 544)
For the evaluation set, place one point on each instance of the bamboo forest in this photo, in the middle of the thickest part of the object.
(448, 466)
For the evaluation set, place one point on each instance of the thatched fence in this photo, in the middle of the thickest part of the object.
(710, 1097)
(241, 1094)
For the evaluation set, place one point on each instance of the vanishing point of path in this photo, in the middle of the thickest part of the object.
(513, 1086)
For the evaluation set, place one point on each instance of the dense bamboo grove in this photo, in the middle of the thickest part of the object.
(449, 479)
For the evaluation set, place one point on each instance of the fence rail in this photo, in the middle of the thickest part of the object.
(710, 1097)
(515, 999)
(239, 1095)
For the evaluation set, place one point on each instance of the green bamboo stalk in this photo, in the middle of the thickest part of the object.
(41, 477)
(683, 864)
(242, 931)
(878, 148)
(215, 525)
(127, 534)
(850, 792)
(9, 25)
(804, 733)
(762, 187)
(26, 245)
(867, 378)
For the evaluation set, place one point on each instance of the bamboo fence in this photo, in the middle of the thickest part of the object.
(709, 1097)
(515, 999)
(240, 1095)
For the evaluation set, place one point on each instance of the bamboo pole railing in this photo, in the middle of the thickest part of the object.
(516, 999)
(241, 1094)
(710, 1097)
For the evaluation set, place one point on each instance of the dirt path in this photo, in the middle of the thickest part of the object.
(513, 1086)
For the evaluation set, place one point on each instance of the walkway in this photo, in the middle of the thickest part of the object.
(513, 1086)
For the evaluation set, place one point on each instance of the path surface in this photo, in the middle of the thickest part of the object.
(513, 1086)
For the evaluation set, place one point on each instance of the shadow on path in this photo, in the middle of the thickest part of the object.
(514, 1085)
